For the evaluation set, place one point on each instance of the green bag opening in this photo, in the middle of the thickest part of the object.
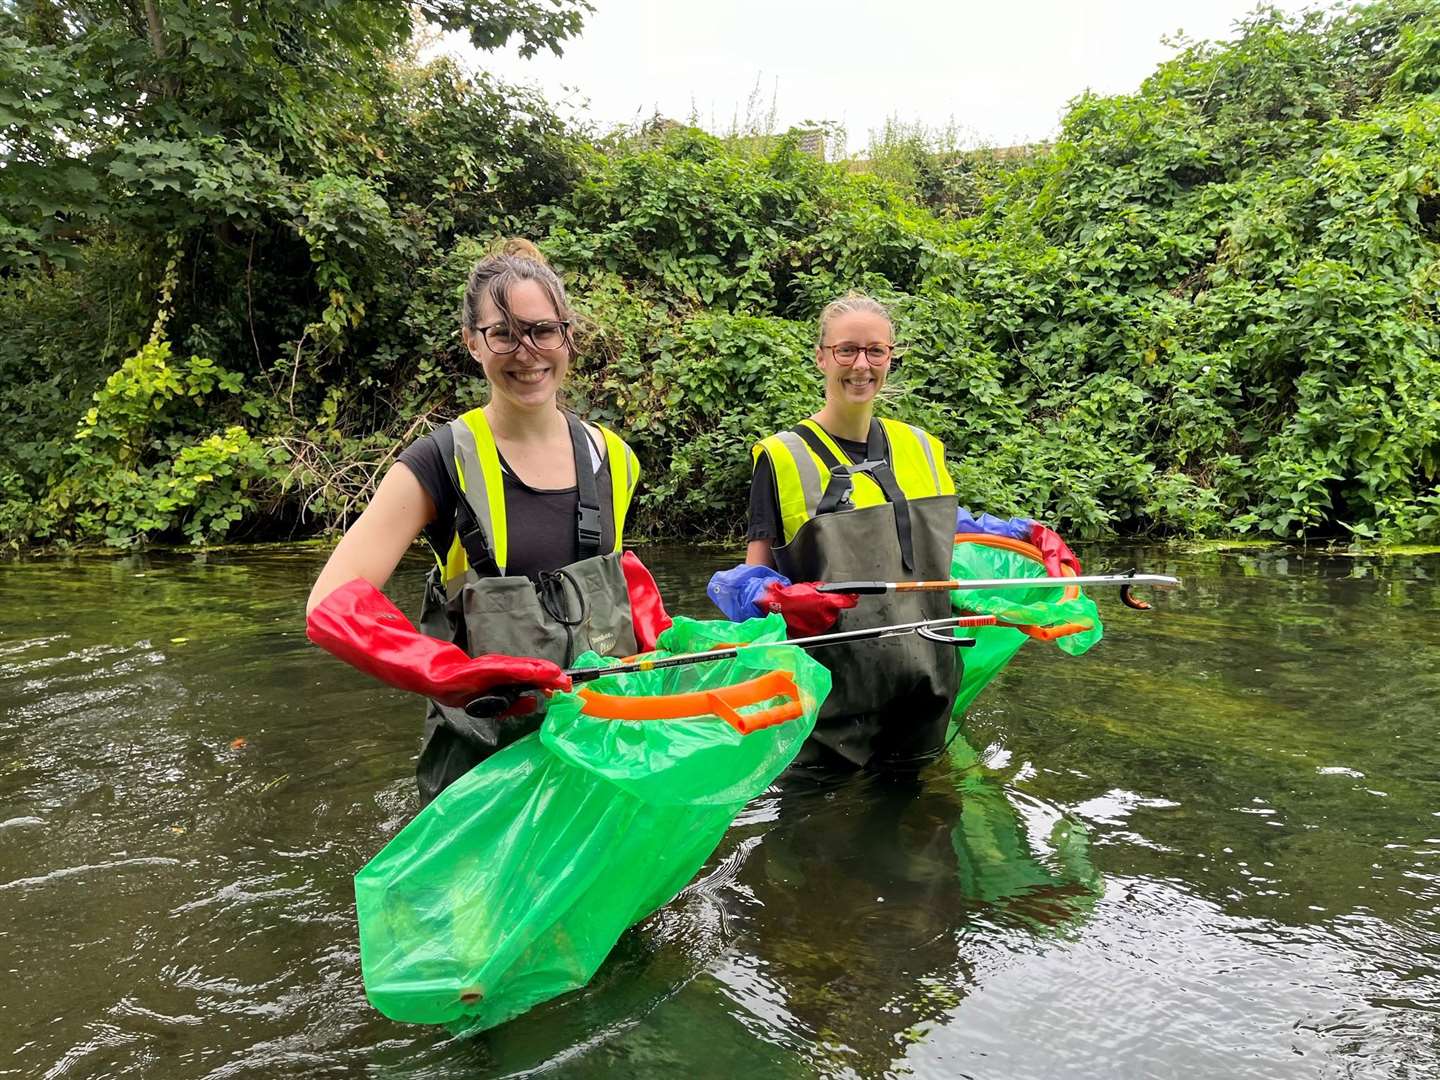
(1048, 607)
(513, 885)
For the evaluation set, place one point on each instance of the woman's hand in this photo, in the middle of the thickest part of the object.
(357, 623)
(805, 609)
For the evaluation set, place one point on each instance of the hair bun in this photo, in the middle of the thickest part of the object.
(519, 247)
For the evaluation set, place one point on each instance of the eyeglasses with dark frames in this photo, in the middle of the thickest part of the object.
(546, 336)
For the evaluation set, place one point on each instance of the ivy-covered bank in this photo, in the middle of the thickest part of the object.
(234, 246)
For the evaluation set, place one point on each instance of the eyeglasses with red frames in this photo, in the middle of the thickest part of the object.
(847, 353)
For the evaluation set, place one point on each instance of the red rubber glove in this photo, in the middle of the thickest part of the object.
(360, 626)
(1055, 551)
(806, 612)
(647, 610)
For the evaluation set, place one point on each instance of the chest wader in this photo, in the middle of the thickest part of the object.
(890, 700)
(564, 613)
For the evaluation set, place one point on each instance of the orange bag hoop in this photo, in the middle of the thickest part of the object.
(1020, 547)
(1030, 551)
(725, 702)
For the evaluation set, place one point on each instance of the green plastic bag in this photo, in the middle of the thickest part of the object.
(1032, 867)
(1044, 605)
(514, 884)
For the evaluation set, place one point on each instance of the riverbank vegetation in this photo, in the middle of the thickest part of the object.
(233, 244)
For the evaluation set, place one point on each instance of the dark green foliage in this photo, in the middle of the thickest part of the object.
(1208, 307)
(270, 188)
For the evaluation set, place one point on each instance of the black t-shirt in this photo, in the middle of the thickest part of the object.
(540, 523)
(765, 498)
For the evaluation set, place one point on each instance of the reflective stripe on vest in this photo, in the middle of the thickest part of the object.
(482, 485)
(622, 485)
(916, 457)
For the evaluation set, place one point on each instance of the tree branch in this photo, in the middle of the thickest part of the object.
(156, 26)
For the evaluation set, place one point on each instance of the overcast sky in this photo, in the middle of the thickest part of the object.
(1001, 70)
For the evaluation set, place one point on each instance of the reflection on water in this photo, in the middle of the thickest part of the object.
(1211, 847)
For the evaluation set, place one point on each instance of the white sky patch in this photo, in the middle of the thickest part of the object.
(999, 73)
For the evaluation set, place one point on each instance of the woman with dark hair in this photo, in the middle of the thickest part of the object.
(524, 507)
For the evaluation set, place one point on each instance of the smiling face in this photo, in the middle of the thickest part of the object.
(860, 382)
(529, 377)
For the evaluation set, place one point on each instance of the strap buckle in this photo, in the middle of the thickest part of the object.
(587, 515)
(588, 527)
(474, 543)
(838, 491)
(843, 477)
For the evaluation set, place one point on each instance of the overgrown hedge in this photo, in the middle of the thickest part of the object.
(1209, 308)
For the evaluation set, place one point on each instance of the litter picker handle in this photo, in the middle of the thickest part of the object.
(879, 588)
(501, 699)
(876, 588)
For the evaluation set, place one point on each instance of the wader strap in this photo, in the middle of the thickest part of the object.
(877, 467)
(877, 443)
(822, 450)
(885, 477)
(587, 514)
(468, 529)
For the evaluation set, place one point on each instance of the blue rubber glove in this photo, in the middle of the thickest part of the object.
(1017, 528)
(736, 591)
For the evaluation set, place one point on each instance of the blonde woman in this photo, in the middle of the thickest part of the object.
(847, 496)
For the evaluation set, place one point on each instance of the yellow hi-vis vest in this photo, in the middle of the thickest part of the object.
(477, 468)
(916, 458)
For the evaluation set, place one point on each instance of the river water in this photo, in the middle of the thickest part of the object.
(1208, 848)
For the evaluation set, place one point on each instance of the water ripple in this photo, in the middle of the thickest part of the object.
(1165, 862)
(72, 871)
